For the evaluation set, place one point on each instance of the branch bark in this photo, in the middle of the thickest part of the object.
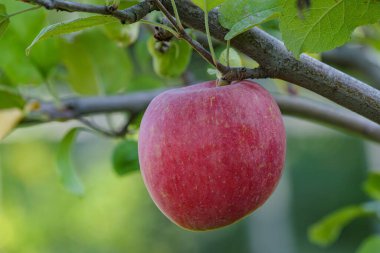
(129, 15)
(273, 56)
(76, 108)
(358, 58)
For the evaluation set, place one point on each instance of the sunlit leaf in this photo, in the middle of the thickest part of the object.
(370, 245)
(9, 118)
(66, 170)
(327, 230)
(70, 27)
(247, 14)
(125, 157)
(372, 186)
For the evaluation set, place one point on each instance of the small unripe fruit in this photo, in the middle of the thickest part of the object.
(211, 155)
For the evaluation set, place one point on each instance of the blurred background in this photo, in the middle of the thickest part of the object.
(325, 169)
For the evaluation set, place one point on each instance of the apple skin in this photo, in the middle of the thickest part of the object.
(211, 155)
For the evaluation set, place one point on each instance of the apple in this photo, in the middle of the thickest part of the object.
(211, 155)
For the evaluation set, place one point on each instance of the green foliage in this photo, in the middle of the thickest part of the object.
(372, 186)
(125, 158)
(234, 58)
(66, 170)
(370, 245)
(4, 19)
(70, 27)
(247, 14)
(328, 23)
(207, 5)
(10, 98)
(125, 35)
(170, 59)
(96, 64)
(81, 70)
(327, 231)
(18, 68)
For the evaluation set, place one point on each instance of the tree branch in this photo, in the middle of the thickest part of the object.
(274, 59)
(358, 58)
(75, 108)
(278, 62)
(129, 15)
(332, 116)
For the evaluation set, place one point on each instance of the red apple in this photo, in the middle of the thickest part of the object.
(211, 155)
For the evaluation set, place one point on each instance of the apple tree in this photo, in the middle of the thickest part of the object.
(70, 60)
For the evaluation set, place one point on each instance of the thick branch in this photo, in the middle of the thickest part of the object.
(129, 15)
(75, 108)
(278, 62)
(274, 59)
(358, 58)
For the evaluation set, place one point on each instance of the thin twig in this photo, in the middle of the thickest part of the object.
(129, 15)
(177, 15)
(23, 11)
(92, 125)
(136, 13)
(193, 43)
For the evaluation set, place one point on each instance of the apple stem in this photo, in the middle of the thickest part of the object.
(222, 82)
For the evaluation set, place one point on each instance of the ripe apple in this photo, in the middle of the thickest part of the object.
(211, 155)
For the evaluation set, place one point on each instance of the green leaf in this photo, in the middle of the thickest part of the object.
(247, 14)
(328, 24)
(113, 65)
(17, 67)
(66, 170)
(4, 19)
(171, 60)
(235, 60)
(80, 67)
(327, 230)
(125, 158)
(10, 98)
(70, 27)
(370, 245)
(372, 186)
(207, 5)
(96, 65)
(124, 35)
